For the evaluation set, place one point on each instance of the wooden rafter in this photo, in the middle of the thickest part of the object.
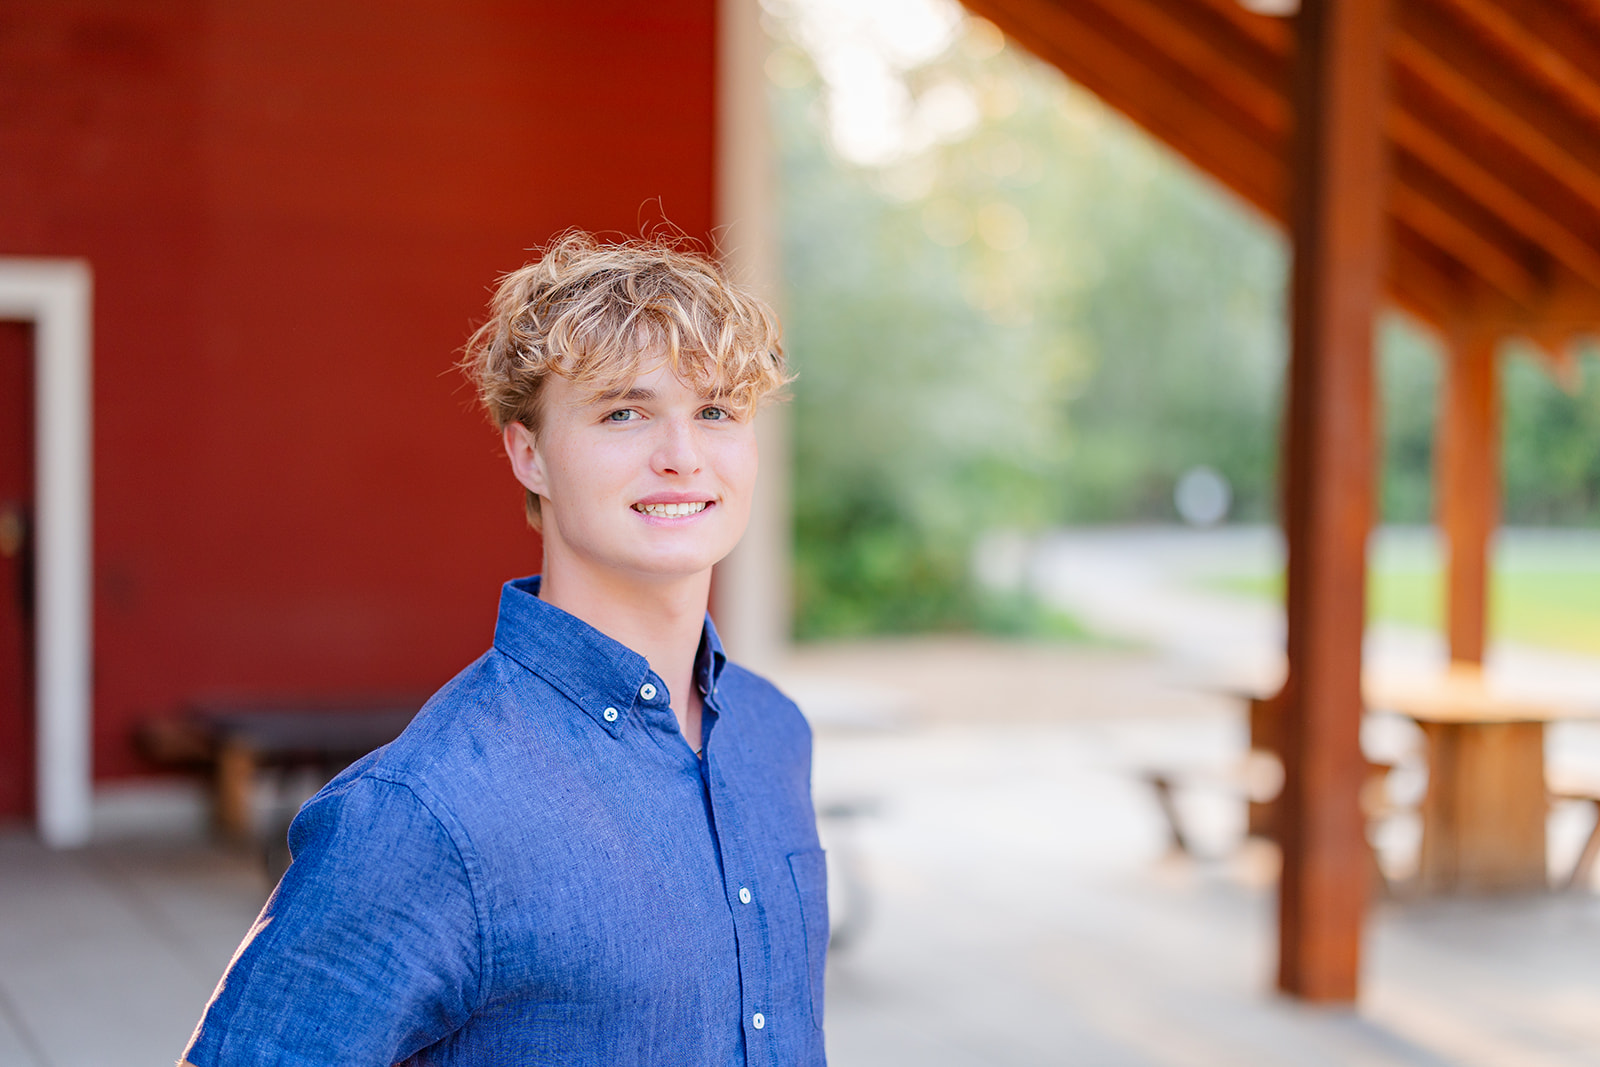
(1431, 45)
(1489, 224)
(1198, 39)
(1114, 64)
(1455, 199)
(1107, 58)
(1424, 280)
(1546, 41)
(1246, 79)
(1426, 143)
(1266, 31)
(1440, 135)
(1468, 232)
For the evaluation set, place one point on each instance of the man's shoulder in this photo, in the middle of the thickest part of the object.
(755, 702)
(740, 680)
(457, 742)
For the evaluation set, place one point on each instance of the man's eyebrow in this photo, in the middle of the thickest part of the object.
(639, 394)
(634, 394)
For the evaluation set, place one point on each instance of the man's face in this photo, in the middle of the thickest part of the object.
(650, 485)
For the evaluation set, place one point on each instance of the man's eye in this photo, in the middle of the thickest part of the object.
(623, 415)
(715, 414)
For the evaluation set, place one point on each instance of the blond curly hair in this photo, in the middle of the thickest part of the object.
(600, 314)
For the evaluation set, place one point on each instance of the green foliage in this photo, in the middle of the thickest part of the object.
(1551, 450)
(862, 568)
(1047, 320)
(1020, 614)
(1044, 317)
(1550, 447)
(1408, 396)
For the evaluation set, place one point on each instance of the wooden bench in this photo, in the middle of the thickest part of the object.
(233, 746)
(1258, 780)
(1584, 868)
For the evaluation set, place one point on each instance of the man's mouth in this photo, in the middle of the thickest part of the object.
(671, 511)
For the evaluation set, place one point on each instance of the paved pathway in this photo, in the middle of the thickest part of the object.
(1150, 585)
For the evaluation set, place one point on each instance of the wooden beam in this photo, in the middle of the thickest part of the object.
(1267, 31)
(1428, 281)
(1472, 235)
(1210, 80)
(1468, 485)
(1114, 63)
(1430, 44)
(1533, 209)
(1254, 78)
(1213, 46)
(1589, 10)
(1546, 41)
(1476, 176)
(1339, 180)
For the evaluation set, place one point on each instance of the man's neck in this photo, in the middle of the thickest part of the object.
(662, 621)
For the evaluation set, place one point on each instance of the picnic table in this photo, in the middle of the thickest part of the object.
(1484, 814)
(1485, 811)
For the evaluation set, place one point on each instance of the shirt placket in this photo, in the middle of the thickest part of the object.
(745, 901)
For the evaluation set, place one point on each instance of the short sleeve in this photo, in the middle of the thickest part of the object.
(369, 949)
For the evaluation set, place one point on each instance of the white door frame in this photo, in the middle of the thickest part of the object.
(56, 296)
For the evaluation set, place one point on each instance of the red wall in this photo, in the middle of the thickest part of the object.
(293, 211)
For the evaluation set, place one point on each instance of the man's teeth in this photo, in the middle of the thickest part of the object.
(671, 511)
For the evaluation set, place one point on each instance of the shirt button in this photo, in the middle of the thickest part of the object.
(647, 691)
(744, 895)
(611, 715)
(758, 1020)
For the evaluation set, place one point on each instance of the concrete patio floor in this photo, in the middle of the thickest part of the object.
(1022, 908)
(1028, 911)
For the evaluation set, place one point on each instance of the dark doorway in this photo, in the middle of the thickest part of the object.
(16, 571)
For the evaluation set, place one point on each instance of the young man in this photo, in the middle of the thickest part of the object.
(596, 844)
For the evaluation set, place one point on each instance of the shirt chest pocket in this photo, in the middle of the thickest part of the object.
(810, 872)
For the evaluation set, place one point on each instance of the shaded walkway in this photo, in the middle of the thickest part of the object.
(1025, 911)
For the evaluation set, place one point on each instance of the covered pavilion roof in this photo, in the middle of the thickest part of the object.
(1493, 127)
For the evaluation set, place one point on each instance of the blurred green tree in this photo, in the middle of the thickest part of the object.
(1551, 448)
(1013, 309)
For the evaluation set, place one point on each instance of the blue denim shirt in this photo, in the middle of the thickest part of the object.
(540, 871)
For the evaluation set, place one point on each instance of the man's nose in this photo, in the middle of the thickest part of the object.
(679, 449)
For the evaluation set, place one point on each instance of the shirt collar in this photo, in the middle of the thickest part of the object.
(593, 671)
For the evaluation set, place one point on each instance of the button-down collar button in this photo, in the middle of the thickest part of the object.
(611, 714)
(647, 691)
(744, 894)
(758, 1020)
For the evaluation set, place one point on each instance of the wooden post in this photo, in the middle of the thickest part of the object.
(1468, 484)
(1336, 223)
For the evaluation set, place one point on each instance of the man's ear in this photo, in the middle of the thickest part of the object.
(527, 464)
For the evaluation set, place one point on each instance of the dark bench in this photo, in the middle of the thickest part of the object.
(235, 745)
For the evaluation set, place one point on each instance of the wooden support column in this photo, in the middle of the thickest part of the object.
(1336, 224)
(1467, 480)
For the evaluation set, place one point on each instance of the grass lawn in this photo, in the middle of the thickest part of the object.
(1555, 607)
